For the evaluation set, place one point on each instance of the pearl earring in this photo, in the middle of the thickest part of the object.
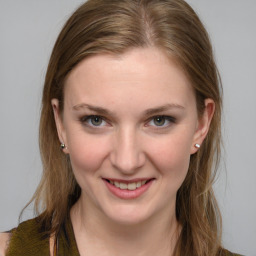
(197, 145)
(62, 145)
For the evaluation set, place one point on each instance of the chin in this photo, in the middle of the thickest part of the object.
(129, 215)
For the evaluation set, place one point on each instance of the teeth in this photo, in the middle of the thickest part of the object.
(143, 182)
(132, 186)
(123, 185)
(138, 185)
(129, 186)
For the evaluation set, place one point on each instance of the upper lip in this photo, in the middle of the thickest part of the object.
(128, 181)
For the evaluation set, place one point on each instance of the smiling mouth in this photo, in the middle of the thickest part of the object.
(128, 185)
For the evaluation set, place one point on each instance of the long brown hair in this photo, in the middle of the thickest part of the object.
(114, 26)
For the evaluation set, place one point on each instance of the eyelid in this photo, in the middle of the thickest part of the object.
(171, 119)
(84, 120)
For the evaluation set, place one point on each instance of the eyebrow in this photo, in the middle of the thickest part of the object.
(150, 111)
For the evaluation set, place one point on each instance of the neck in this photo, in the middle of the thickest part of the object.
(97, 235)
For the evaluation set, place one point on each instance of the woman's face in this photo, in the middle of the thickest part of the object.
(130, 125)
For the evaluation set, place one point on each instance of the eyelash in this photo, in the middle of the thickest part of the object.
(168, 119)
(86, 119)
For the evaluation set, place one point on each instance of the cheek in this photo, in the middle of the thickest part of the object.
(172, 161)
(87, 153)
(171, 157)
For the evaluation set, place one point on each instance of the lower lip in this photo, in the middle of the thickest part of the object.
(128, 194)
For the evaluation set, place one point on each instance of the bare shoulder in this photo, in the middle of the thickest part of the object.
(4, 239)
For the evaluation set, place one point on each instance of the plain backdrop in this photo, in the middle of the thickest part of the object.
(28, 29)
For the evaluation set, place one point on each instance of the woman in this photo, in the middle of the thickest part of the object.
(129, 136)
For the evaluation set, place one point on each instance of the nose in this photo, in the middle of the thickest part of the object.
(127, 155)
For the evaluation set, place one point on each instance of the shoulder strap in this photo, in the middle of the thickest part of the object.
(27, 240)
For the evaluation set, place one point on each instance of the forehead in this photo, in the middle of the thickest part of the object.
(142, 73)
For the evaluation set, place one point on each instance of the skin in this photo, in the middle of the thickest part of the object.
(4, 238)
(128, 143)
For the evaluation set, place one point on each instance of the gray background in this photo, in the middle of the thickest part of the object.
(28, 29)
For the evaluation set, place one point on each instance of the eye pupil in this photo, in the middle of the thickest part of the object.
(159, 121)
(96, 120)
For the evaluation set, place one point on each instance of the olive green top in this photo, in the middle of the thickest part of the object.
(27, 240)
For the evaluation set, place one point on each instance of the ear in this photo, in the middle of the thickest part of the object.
(59, 124)
(203, 124)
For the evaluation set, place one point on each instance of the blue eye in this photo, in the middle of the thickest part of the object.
(161, 121)
(94, 121)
